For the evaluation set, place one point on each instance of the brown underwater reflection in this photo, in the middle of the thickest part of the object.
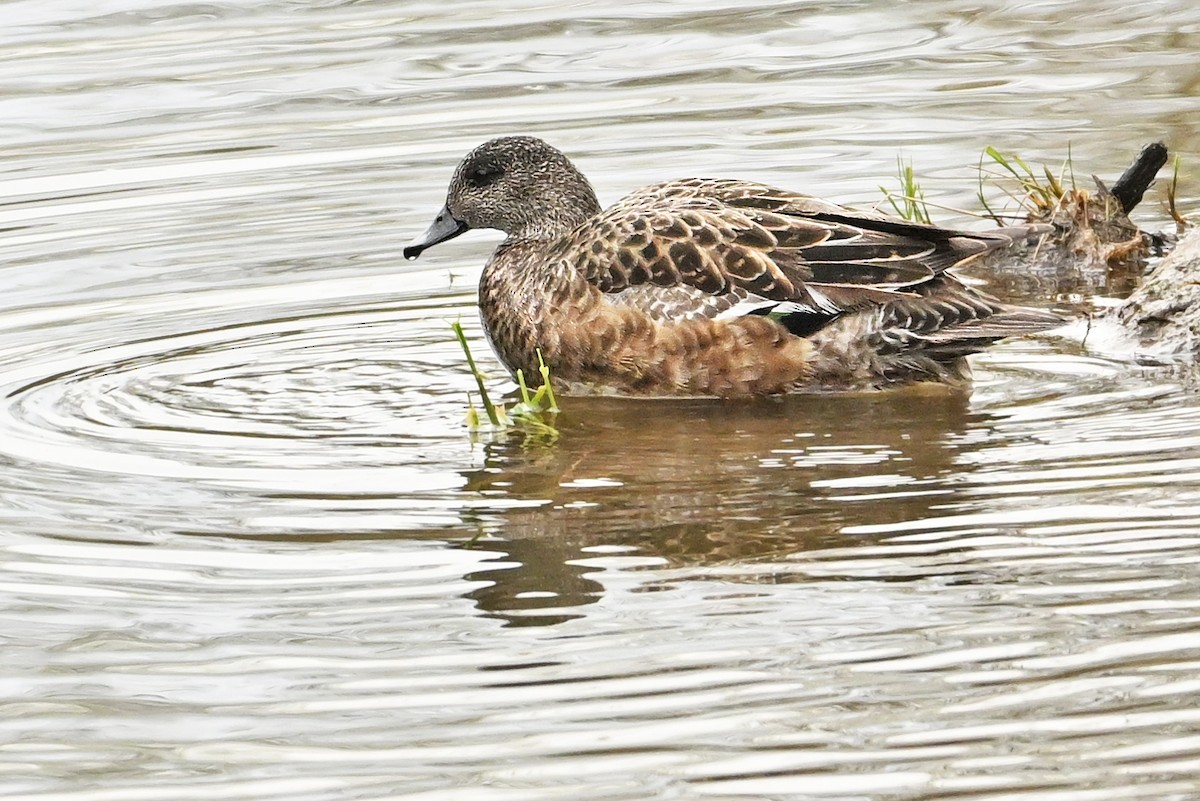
(704, 481)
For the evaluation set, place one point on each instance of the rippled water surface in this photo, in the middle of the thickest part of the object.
(248, 549)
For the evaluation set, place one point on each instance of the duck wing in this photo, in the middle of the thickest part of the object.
(721, 247)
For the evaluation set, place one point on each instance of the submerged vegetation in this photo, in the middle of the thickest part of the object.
(533, 415)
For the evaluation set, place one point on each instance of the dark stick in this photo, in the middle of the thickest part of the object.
(1134, 182)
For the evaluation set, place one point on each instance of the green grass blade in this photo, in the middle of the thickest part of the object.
(910, 203)
(488, 406)
(545, 371)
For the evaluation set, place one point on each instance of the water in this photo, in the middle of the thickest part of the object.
(250, 551)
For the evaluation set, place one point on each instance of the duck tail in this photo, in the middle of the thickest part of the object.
(973, 335)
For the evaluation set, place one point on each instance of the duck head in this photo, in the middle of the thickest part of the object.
(516, 184)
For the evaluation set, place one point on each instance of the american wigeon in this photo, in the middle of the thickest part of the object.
(712, 287)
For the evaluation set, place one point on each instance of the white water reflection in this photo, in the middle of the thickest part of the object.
(249, 550)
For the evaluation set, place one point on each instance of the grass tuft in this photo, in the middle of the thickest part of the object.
(1038, 195)
(1042, 197)
(909, 203)
(472, 415)
(533, 415)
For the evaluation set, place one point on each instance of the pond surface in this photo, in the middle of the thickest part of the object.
(248, 549)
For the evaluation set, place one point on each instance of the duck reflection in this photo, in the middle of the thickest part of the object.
(703, 482)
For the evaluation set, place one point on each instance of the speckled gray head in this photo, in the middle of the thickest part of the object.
(517, 184)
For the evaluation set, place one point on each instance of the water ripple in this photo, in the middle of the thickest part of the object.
(246, 533)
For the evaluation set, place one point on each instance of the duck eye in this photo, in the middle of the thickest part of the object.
(484, 175)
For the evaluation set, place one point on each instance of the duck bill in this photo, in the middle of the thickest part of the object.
(444, 226)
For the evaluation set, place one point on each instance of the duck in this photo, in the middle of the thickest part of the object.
(715, 287)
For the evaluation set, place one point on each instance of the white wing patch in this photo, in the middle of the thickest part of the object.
(822, 302)
(750, 304)
(683, 302)
(756, 304)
